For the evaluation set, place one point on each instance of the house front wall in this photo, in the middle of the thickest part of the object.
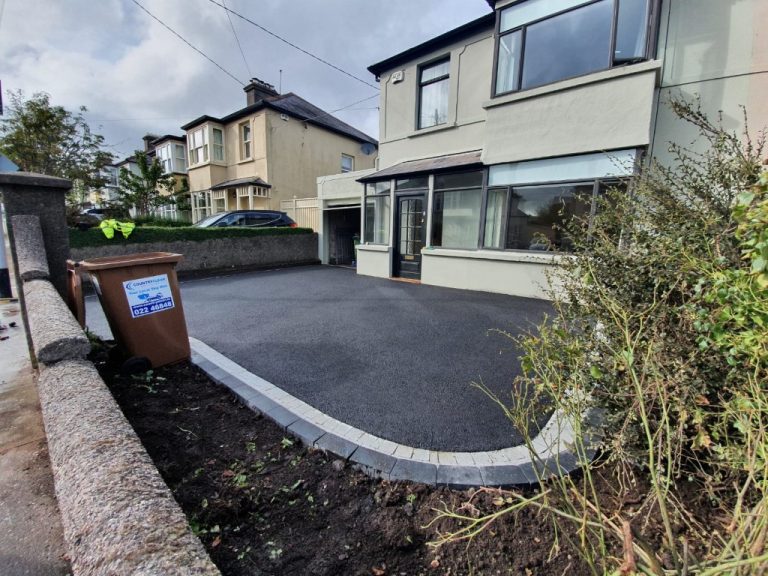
(299, 152)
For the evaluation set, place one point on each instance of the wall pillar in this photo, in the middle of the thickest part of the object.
(29, 194)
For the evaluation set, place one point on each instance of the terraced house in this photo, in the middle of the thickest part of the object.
(272, 150)
(490, 132)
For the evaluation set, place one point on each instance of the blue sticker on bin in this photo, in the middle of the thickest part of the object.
(148, 295)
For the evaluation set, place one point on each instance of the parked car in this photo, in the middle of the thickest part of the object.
(248, 218)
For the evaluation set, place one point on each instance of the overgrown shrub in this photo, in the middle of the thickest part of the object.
(146, 234)
(662, 326)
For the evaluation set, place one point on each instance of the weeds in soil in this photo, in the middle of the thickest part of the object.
(661, 330)
(149, 381)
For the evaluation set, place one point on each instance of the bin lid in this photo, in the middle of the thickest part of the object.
(127, 260)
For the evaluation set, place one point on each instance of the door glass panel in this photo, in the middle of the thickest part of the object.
(411, 224)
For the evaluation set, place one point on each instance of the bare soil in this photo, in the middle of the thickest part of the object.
(264, 504)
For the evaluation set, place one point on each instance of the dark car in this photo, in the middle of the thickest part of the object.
(249, 218)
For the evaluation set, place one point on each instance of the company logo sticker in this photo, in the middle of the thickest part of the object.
(148, 295)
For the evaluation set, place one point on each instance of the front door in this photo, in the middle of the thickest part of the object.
(411, 232)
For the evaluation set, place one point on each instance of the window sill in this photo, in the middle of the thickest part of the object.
(432, 129)
(594, 78)
(531, 257)
(373, 247)
(245, 160)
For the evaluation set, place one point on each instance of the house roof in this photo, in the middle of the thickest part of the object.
(157, 141)
(296, 107)
(448, 162)
(241, 182)
(483, 23)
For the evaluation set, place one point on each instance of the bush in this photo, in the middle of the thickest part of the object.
(662, 328)
(158, 222)
(146, 234)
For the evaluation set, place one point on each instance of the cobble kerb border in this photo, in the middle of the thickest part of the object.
(382, 458)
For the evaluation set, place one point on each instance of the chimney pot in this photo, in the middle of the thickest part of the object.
(258, 90)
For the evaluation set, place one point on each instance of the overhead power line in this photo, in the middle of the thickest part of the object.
(234, 33)
(180, 37)
(292, 45)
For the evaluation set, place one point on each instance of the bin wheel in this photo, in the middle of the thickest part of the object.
(135, 365)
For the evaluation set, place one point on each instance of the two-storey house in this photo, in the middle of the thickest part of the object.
(272, 150)
(494, 132)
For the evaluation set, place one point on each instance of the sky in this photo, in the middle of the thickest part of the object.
(135, 77)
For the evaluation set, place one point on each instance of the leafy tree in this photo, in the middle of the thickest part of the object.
(144, 191)
(47, 139)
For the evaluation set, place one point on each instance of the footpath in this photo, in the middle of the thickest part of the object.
(31, 538)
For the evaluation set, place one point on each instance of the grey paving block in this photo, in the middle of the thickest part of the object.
(257, 401)
(504, 475)
(375, 460)
(336, 444)
(307, 432)
(459, 476)
(414, 471)
(282, 416)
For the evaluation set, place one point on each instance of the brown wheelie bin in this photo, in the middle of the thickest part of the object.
(141, 300)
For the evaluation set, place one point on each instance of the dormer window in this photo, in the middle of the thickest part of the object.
(544, 41)
(434, 82)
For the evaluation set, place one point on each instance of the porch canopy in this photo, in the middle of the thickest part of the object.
(241, 182)
(427, 165)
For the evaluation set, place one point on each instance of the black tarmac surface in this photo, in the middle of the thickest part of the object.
(394, 359)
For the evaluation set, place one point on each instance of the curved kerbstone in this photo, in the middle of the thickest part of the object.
(56, 335)
(119, 517)
(554, 445)
(30, 248)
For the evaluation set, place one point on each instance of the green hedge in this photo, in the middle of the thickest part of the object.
(146, 234)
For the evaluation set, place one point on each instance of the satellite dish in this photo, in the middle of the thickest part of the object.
(367, 148)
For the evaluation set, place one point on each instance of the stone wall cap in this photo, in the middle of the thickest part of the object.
(34, 180)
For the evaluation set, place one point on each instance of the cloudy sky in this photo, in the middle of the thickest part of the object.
(135, 76)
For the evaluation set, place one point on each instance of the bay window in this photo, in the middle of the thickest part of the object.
(179, 158)
(163, 154)
(377, 213)
(434, 84)
(544, 41)
(456, 209)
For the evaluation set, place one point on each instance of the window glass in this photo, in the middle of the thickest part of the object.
(572, 44)
(533, 216)
(434, 71)
(179, 159)
(434, 85)
(459, 180)
(412, 183)
(218, 145)
(379, 187)
(526, 12)
(631, 31)
(377, 213)
(508, 66)
(456, 218)
(347, 163)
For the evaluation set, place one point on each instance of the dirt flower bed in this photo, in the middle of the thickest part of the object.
(264, 504)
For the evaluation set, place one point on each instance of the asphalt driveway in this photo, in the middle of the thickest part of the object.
(394, 359)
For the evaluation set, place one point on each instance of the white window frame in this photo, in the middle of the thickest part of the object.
(179, 159)
(246, 145)
(351, 163)
(197, 142)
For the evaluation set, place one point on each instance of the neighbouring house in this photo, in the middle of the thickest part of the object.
(108, 194)
(269, 155)
(489, 132)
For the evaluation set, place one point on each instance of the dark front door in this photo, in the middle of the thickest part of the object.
(411, 236)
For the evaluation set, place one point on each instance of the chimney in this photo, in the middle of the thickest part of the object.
(258, 90)
(147, 139)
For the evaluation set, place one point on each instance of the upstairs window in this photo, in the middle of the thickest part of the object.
(218, 145)
(434, 82)
(347, 163)
(163, 154)
(544, 41)
(245, 141)
(198, 146)
(179, 158)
